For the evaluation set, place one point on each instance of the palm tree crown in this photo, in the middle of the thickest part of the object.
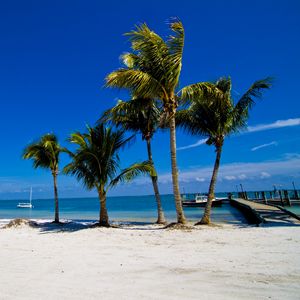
(96, 162)
(213, 114)
(139, 116)
(154, 67)
(45, 154)
(152, 71)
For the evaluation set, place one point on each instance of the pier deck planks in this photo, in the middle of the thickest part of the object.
(268, 214)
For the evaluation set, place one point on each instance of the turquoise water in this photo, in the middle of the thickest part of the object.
(295, 209)
(130, 208)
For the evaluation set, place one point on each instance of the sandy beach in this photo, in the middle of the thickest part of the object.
(147, 262)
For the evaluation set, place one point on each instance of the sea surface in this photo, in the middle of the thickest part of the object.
(294, 208)
(120, 209)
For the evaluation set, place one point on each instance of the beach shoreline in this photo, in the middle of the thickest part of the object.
(148, 262)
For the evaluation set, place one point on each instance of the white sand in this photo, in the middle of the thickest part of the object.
(143, 263)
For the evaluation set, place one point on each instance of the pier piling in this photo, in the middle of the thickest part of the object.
(287, 197)
(280, 195)
(271, 196)
(264, 197)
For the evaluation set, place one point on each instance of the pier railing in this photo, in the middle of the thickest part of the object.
(276, 197)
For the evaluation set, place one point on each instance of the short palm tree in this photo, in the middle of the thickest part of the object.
(213, 114)
(139, 116)
(96, 162)
(45, 154)
(152, 71)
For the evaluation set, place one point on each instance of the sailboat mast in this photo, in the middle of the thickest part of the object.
(30, 195)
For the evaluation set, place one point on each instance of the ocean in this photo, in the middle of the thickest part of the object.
(120, 209)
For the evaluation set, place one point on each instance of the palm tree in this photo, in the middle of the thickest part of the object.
(140, 117)
(96, 162)
(45, 154)
(152, 71)
(213, 114)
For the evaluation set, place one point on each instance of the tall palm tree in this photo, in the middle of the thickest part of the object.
(96, 162)
(213, 114)
(152, 71)
(139, 116)
(45, 154)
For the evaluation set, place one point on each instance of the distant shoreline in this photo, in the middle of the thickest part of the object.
(130, 196)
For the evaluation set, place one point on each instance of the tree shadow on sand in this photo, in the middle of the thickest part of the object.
(77, 225)
(48, 226)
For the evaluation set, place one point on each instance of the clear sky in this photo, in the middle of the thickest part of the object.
(54, 56)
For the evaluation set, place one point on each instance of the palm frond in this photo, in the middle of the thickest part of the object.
(212, 112)
(130, 60)
(137, 81)
(200, 91)
(174, 60)
(133, 171)
(67, 151)
(44, 152)
(224, 85)
(182, 117)
(82, 173)
(151, 49)
(49, 137)
(247, 101)
(140, 115)
(39, 155)
(96, 159)
(77, 138)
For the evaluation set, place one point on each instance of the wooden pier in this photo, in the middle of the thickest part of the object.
(278, 197)
(258, 213)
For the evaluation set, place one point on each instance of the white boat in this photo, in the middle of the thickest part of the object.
(26, 204)
(199, 200)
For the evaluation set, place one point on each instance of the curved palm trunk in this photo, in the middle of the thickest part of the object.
(103, 216)
(160, 213)
(56, 214)
(178, 204)
(211, 192)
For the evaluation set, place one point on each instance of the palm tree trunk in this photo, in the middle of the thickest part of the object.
(211, 192)
(103, 216)
(178, 204)
(160, 213)
(56, 214)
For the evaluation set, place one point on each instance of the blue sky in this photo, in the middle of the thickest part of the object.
(54, 56)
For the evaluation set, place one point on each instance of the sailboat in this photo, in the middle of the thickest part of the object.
(26, 204)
